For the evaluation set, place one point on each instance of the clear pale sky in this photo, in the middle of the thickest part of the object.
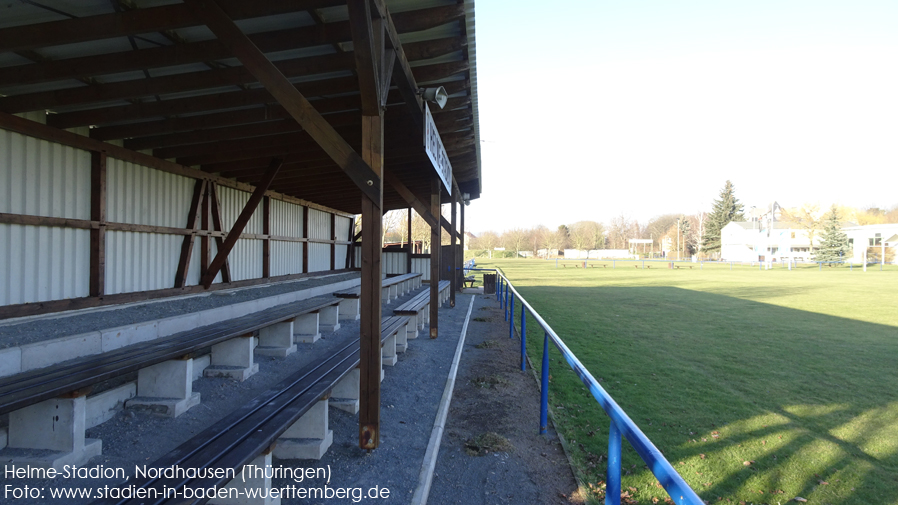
(595, 108)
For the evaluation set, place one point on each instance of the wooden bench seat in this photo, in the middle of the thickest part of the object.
(270, 420)
(393, 287)
(416, 308)
(37, 397)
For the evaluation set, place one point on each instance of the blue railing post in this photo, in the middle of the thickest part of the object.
(511, 318)
(506, 302)
(498, 289)
(612, 478)
(544, 389)
(523, 337)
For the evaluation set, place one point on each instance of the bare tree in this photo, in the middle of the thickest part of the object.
(536, 238)
(586, 235)
(620, 230)
(488, 240)
(515, 240)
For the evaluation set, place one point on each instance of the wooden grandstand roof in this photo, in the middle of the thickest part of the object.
(152, 76)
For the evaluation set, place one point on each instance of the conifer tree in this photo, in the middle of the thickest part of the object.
(725, 209)
(833, 241)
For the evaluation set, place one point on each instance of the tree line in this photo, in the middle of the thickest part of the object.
(691, 234)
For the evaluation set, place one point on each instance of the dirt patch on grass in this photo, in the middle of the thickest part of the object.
(488, 442)
(490, 381)
(487, 344)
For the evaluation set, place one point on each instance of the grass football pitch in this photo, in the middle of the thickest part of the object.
(759, 386)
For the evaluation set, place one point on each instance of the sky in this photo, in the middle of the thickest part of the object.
(597, 108)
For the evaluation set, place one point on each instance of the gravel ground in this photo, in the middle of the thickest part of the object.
(13, 333)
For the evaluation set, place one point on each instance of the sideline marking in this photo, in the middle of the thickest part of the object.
(425, 479)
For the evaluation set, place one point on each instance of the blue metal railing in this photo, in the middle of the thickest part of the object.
(621, 424)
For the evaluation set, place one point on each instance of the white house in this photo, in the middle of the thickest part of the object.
(778, 241)
(872, 235)
(762, 241)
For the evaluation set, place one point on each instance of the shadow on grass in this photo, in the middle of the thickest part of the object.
(749, 401)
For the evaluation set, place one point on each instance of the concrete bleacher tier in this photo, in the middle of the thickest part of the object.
(51, 406)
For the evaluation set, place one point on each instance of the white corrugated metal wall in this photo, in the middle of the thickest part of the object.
(393, 262)
(43, 263)
(246, 256)
(286, 221)
(422, 266)
(140, 195)
(319, 228)
(41, 178)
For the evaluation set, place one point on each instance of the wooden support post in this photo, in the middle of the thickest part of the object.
(222, 255)
(334, 243)
(350, 249)
(461, 235)
(199, 188)
(435, 242)
(266, 242)
(97, 284)
(370, 299)
(305, 235)
(218, 226)
(205, 222)
(453, 255)
(411, 246)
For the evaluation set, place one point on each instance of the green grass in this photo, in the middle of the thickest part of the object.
(758, 386)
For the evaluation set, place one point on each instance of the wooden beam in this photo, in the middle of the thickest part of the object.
(97, 283)
(305, 234)
(410, 197)
(287, 95)
(334, 244)
(411, 245)
(370, 298)
(199, 189)
(402, 72)
(365, 48)
(212, 50)
(266, 243)
(44, 132)
(205, 223)
(176, 83)
(435, 243)
(244, 217)
(38, 308)
(453, 255)
(135, 22)
(218, 226)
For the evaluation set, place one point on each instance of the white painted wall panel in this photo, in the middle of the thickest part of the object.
(393, 263)
(232, 202)
(41, 263)
(319, 257)
(422, 266)
(286, 219)
(44, 179)
(286, 258)
(140, 261)
(343, 224)
(320, 225)
(141, 195)
(342, 251)
(246, 260)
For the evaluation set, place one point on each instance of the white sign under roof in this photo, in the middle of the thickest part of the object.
(433, 145)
